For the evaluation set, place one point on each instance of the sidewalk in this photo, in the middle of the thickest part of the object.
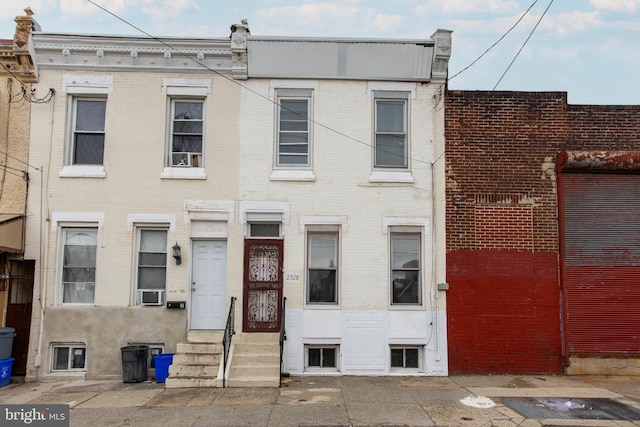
(491, 400)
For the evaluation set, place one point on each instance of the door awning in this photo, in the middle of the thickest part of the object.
(11, 233)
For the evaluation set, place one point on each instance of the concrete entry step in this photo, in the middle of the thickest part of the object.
(255, 360)
(196, 362)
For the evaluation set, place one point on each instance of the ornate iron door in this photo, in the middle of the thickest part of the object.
(262, 285)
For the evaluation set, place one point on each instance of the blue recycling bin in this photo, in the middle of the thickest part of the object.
(162, 362)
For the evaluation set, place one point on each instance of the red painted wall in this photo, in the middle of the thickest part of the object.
(504, 304)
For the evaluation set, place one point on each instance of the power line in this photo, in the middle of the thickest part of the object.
(17, 159)
(26, 96)
(409, 158)
(523, 45)
(493, 45)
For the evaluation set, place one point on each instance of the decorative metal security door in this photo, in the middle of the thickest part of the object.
(262, 285)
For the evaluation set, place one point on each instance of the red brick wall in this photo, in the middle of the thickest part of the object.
(503, 306)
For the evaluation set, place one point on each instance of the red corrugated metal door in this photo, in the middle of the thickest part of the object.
(601, 262)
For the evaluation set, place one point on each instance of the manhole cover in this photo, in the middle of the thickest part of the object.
(569, 408)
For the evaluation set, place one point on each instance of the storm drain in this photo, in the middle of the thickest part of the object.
(569, 408)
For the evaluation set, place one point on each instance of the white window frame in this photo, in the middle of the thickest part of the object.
(190, 159)
(138, 289)
(392, 97)
(73, 132)
(63, 237)
(293, 94)
(407, 230)
(71, 347)
(404, 348)
(322, 347)
(332, 230)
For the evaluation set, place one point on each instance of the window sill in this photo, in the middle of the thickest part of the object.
(321, 306)
(183, 173)
(391, 176)
(292, 175)
(406, 307)
(83, 171)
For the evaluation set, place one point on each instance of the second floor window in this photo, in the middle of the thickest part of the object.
(293, 145)
(88, 131)
(391, 142)
(187, 133)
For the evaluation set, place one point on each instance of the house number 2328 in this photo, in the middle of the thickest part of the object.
(292, 277)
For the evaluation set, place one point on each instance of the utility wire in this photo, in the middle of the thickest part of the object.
(17, 159)
(523, 45)
(493, 45)
(251, 90)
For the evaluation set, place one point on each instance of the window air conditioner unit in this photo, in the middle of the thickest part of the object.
(151, 296)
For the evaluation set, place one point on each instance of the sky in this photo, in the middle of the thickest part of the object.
(587, 48)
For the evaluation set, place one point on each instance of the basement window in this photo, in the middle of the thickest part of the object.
(69, 357)
(321, 357)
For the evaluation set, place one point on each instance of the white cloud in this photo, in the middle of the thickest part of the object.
(568, 23)
(83, 7)
(386, 23)
(460, 7)
(616, 5)
(166, 11)
(329, 18)
(16, 8)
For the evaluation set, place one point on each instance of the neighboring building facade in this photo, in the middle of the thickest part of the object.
(16, 275)
(183, 173)
(542, 198)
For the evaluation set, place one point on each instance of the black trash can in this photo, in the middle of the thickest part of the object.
(134, 363)
(6, 342)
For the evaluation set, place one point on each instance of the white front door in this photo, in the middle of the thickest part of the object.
(209, 284)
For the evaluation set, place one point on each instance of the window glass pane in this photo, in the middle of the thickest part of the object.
(75, 292)
(405, 250)
(294, 110)
(152, 277)
(406, 287)
(329, 357)
(88, 149)
(265, 230)
(322, 250)
(314, 357)
(390, 116)
(396, 358)
(180, 127)
(60, 358)
(293, 138)
(187, 144)
(188, 110)
(410, 357)
(293, 160)
(390, 150)
(90, 115)
(153, 241)
(147, 260)
(77, 361)
(322, 286)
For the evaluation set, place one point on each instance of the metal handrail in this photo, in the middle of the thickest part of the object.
(283, 333)
(229, 332)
